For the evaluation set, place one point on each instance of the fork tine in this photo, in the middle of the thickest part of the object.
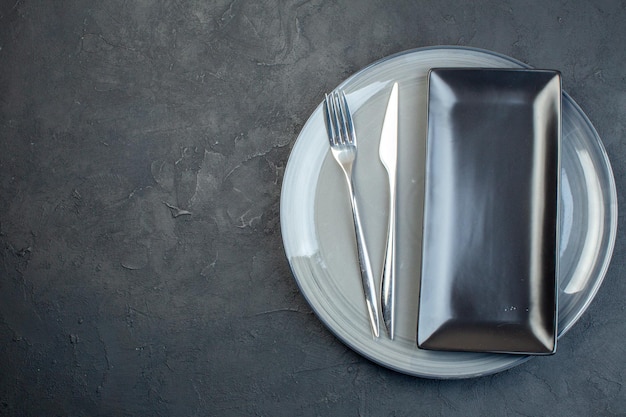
(349, 125)
(335, 118)
(328, 119)
(341, 118)
(338, 118)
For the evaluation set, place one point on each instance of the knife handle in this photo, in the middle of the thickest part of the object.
(388, 284)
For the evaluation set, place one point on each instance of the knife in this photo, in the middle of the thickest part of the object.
(388, 153)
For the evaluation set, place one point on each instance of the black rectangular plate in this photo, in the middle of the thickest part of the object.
(490, 249)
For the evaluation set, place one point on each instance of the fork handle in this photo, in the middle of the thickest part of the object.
(367, 275)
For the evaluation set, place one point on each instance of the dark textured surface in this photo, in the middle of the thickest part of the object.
(142, 148)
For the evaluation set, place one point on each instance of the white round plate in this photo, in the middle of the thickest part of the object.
(318, 232)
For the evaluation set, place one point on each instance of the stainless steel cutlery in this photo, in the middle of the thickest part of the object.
(388, 153)
(343, 145)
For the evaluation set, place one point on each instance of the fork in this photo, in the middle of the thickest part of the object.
(343, 145)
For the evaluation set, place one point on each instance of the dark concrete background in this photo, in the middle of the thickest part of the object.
(142, 149)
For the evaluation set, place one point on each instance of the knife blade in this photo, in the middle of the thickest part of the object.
(388, 153)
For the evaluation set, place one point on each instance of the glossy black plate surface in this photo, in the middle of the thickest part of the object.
(490, 248)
